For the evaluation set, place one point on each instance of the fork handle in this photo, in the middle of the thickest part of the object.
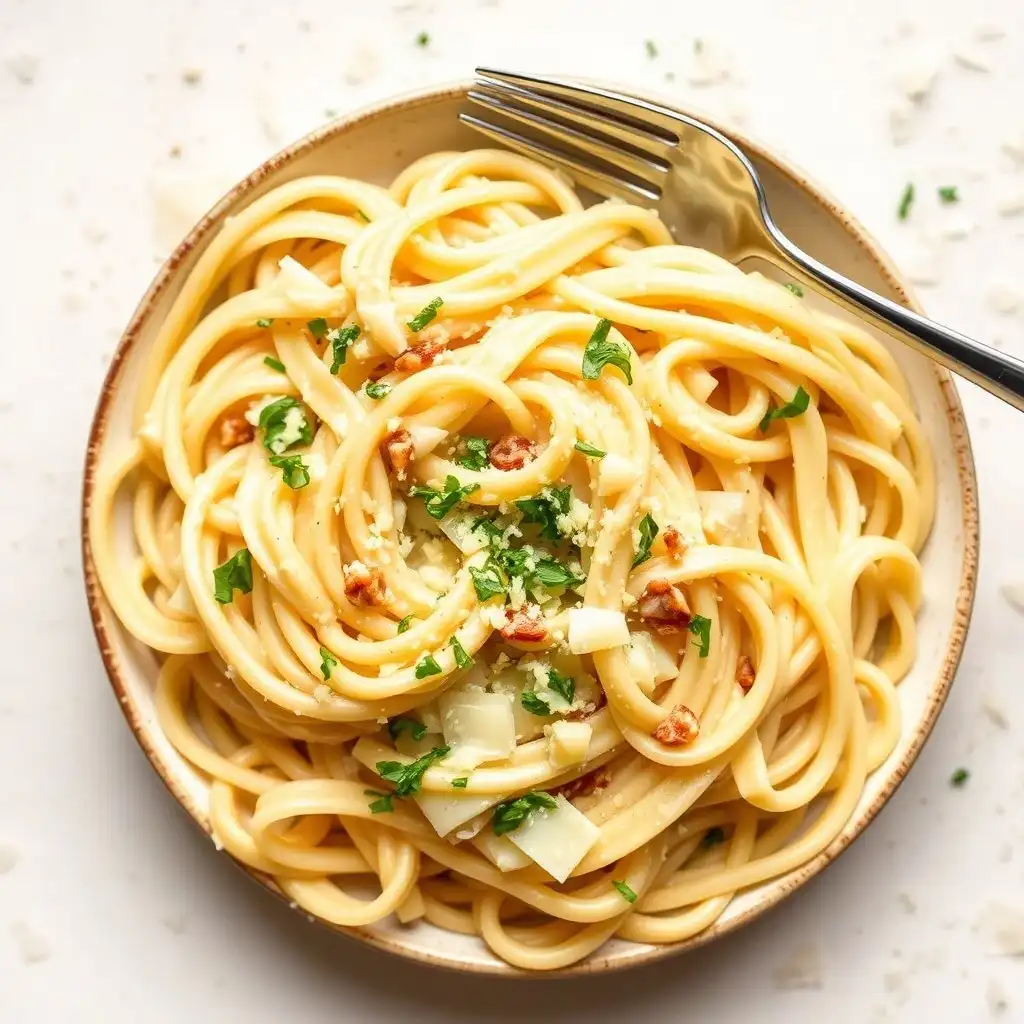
(999, 374)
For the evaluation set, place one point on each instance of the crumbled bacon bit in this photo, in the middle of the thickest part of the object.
(681, 727)
(523, 628)
(513, 451)
(662, 605)
(745, 673)
(363, 585)
(593, 782)
(235, 430)
(420, 356)
(399, 449)
(674, 543)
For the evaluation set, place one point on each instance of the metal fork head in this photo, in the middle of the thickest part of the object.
(702, 185)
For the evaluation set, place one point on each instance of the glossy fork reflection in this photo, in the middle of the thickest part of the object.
(707, 192)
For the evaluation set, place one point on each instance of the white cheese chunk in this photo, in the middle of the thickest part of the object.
(300, 285)
(615, 474)
(446, 812)
(478, 726)
(457, 526)
(557, 838)
(568, 743)
(500, 851)
(730, 517)
(596, 629)
(425, 439)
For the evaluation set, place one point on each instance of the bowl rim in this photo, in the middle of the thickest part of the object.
(204, 230)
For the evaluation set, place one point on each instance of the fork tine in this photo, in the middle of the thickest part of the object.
(607, 142)
(585, 172)
(611, 105)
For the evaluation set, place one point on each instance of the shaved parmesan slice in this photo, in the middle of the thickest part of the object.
(730, 517)
(405, 744)
(651, 661)
(446, 812)
(511, 682)
(478, 726)
(615, 474)
(457, 526)
(425, 439)
(568, 743)
(501, 852)
(300, 285)
(596, 629)
(557, 838)
(640, 662)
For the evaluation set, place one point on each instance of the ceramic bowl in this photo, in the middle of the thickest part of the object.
(375, 144)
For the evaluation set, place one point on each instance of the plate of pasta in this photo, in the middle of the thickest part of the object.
(503, 581)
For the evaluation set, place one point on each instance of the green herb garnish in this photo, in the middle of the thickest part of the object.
(959, 778)
(427, 666)
(508, 816)
(474, 453)
(377, 389)
(546, 508)
(264, 322)
(426, 314)
(906, 201)
(700, 627)
(407, 777)
(625, 892)
(795, 407)
(274, 364)
(296, 472)
(564, 686)
(317, 327)
(404, 624)
(423, 40)
(234, 574)
(461, 782)
(486, 582)
(284, 424)
(552, 574)
(417, 730)
(534, 703)
(648, 531)
(949, 194)
(650, 48)
(712, 837)
(600, 352)
(795, 289)
(439, 503)
(384, 804)
(589, 449)
(462, 656)
(341, 338)
(328, 663)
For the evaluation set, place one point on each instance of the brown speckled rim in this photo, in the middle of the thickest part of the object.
(778, 891)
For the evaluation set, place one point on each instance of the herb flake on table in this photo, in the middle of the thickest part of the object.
(906, 201)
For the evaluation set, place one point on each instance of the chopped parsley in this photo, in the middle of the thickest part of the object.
(959, 778)
(423, 40)
(625, 892)
(712, 837)
(545, 508)
(427, 313)
(407, 777)
(510, 814)
(328, 663)
(274, 364)
(284, 424)
(552, 574)
(404, 624)
(473, 453)
(600, 352)
(317, 327)
(461, 782)
(486, 582)
(534, 703)
(700, 627)
(377, 389)
(650, 48)
(949, 194)
(264, 322)
(589, 450)
(564, 686)
(234, 574)
(906, 201)
(795, 289)
(417, 730)
(340, 339)
(296, 472)
(384, 802)
(462, 657)
(795, 407)
(648, 530)
(439, 503)
(427, 666)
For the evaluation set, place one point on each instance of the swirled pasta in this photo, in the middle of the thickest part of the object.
(511, 566)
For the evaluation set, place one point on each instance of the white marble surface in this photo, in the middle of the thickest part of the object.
(111, 907)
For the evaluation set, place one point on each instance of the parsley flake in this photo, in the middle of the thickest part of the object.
(906, 201)
(264, 321)
(439, 503)
(284, 424)
(552, 574)
(427, 666)
(650, 48)
(589, 450)
(625, 892)
(377, 389)
(534, 703)
(296, 472)
(427, 313)
(648, 530)
(423, 40)
(510, 814)
(600, 352)
(404, 624)
(328, 663)
(486, 582)
(234, 574)
(795, 407)
(341, 338)
(795, 289)
(317, 327)
(564, 686)
(700, 627)
(712, 837)
(274, 364)
(545, 509)
(417, 730)
(473, 453)
(461, 782)
(462, 657)
(407, 777)
(949, 194)
(384, 803)
(959, 778)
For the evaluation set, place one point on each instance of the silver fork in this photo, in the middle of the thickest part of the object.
(707, 192)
